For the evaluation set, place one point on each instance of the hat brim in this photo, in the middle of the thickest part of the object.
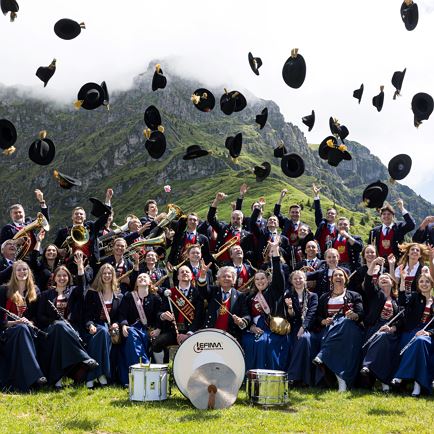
(253, 64)
(294, 71)
(156, 145)
(262, 172)
(37, 158)
(91, 104)
(66, 181)
(67, 29)
(152, 118)
(159, 81)
(8, 134)
(399, 166)
(195, 154)
(375, 194)
(324, 149)
(234, 144)
(204, 105)
(99, 208)
(292, 165)
(262, 118)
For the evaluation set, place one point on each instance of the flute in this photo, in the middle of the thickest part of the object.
(18, 318)
(65, 320)
(414, 338)
(378, 331)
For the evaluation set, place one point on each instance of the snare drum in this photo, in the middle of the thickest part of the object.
(148, 382)
(208, 346)
(267, 387)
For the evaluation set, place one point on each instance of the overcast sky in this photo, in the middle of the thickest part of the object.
(345, 43)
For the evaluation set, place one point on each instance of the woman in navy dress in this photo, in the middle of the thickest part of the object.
(339, 313)
(262, 347)
(138, 324)
(103, 293)
(301, 305)
(417, 362)
(19, 366)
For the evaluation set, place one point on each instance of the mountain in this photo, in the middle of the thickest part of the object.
(106, 149)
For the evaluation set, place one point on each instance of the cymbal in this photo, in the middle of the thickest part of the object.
(217, 377)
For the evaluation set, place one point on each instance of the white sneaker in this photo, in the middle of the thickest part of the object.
(385, 387)
(416, 389)
(89, 384)
(342, 384)
(102, 380)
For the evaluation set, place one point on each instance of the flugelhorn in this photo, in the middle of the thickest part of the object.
(79, 237)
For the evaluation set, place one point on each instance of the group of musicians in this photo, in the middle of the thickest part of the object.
(317, 304)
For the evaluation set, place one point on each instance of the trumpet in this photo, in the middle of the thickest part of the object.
(226, 246)
(79, 237)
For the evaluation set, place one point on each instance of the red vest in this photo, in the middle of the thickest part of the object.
(13, 308)
(222, 321)
(385, 244)
(187, 243)
(242, 277)
(326, 238)
(292, 235)
(342, 248)
(225, 256)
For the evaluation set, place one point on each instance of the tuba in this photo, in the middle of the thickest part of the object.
(26, 233)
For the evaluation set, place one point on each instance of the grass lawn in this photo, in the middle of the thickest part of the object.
(108, 410)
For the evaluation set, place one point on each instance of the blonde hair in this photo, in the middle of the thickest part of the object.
(98, 284)
(13, 286)
(404, 248)
(151, 288)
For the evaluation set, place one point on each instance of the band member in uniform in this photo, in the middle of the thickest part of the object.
(247, 221)
(244, 270)
(227, 308)
(425, 232)
(194, 258)
(19, 366)
(339, 314)
(301, 305)
(390, 234)
(349, 246)
(311, 253)
(101, 312)
(155, 272)
(326, 230)
(60, 315)
(226, 232)
(139, 324)
(151, 212)
(263, 346)
(19, 220)
(381, 356)
(417, 362)
(187, 305)
(9, 252)
(413, 257)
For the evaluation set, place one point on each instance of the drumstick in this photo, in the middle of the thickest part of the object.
(231, 314)
(168, 294)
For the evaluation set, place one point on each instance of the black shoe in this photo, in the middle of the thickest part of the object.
(317, 361)
(91, 364)
(58, 388)
(42, 381)
(365, 371)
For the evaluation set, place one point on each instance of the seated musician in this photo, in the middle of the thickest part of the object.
(387, 236)
(311, 260)
(425, 232)
(226, 232)
(19, 366)
(138, 318)
(227, 307)
(9, 252)
(156, 272)
(19, 220)
(193, 261)
(349, 246)
(187, 306)
(263, 346)
(186, 235)
(244, 270)
(60, 315)
(326, 230)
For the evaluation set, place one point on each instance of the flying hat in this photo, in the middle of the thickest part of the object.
(261, 119)
(375, 194)
(309, 120)
(330, 150)
(155, 144)
(399, 166)
(262, 171)
(378, 100)
(106, 101)
(203, 100)
(42, 151)
(292, 165)
(234, 145)
(68, 29)
(409, 14)
(397, 79)
(90, 96)
(10, 6)
(358, 93)
(44, 73)
(159, 81)
(99, 208)
(294, 70)
(152, 119)
(337, 129)
(422, 105)
(194, 151)
(255, 63)
(66, 181)
(280, 151)
(8, 136)
(231, 102)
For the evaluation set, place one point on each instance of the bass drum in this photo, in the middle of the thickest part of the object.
(208, 346)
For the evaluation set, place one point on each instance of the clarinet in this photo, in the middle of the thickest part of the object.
(415, 337)
(65, 320)
(378, 331)
(17, 318)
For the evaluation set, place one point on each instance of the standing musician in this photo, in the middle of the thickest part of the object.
(186, 235)
(339, 315)
(187, 317)
(193, 261)
(19, 366)
(19, 220)
(301, 305)
(311, 257)
(247, 221)
(137, 231)
(60, 315)
(326, 230)
(227, 308)
(226, 232)
(244, 270)
(151, 212)
(155, 272)
(138, 318)
(263, 346)
(381, 356)
(101, 310)
(387, 236)
(417, 362)
(425, 232)
(290, 225)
